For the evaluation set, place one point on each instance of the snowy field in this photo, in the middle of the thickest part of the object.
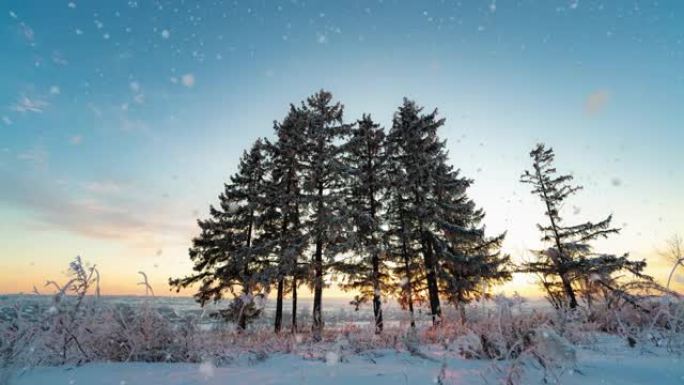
(606, 363)
(505, 341)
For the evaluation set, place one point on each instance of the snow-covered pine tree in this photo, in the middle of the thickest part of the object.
(399, 244)
(430, 215)
(415, 146)
(570, 262)
(223, 254)
(323, 186)
(284, 201)
(365, 268)
(468, 260)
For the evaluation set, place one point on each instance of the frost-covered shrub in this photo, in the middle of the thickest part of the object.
(76, 327)
(469, 345)
(137, 334)
(17, 334)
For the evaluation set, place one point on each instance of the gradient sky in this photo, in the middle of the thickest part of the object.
(120, 120)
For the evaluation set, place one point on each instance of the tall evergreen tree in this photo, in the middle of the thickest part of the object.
(223, 254)
(570, 263)
(418, 153)
(284, 200)
(366, 268)
(399, 239)
(432, 215)
(323, 184)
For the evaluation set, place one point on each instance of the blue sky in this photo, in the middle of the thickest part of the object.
(120, 120)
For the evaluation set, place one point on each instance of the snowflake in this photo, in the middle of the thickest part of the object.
(188, 80)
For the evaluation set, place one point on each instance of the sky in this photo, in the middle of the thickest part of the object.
(121, 120)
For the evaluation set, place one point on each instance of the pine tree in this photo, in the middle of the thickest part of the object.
(469, 266)
(322, 174)
(399, 238)
(418, 153)
(366, 267)
(469, 261)
(223, 254)
(570, 263)
(284, 201)
(431, 216)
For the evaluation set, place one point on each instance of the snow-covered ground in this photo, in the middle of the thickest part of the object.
(609, 362)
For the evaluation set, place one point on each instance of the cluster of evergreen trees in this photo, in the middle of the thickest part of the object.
(386, 211)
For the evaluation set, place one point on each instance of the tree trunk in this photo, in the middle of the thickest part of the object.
(317, 326)
(279, 306)
(569, 291)
(409, 289)
(294, 304)
(375, 258)
(246, 287)
(242, 318)
(431, 278)
(560, 261)
(377, 302)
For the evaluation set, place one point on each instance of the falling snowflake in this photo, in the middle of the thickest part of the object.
(76, 140)
(188, 80)
(165, 34)
(322, 38)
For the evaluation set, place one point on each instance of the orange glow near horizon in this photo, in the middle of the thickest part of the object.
(122, 279)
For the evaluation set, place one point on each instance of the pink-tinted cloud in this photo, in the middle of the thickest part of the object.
(102, 210)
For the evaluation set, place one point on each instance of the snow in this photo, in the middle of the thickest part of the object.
(207, 370)
(616, 365)
(188, 80)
